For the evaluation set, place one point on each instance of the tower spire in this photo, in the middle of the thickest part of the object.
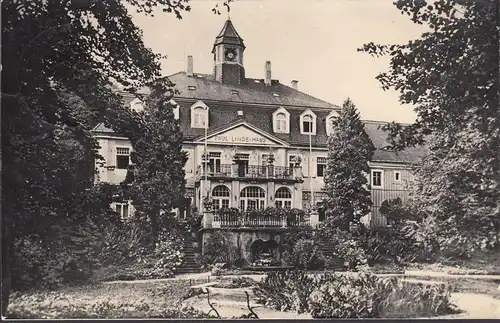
(228, 54)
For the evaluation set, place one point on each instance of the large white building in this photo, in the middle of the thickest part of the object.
(243, 121)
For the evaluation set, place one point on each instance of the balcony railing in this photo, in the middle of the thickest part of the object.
(250, 171)
(258, 221)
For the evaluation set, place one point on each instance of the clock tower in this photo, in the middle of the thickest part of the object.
(228, 56)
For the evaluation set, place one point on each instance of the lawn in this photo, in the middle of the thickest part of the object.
(121, 300)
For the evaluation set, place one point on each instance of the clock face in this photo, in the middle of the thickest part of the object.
(230, 54)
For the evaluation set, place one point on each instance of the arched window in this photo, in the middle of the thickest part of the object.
(283, 198)
(252, 198)
(308, 123)
(199, 115)
(281, 122)
(220, 197)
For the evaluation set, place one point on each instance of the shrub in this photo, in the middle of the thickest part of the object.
(220, 249)
(48, 308)
(347, 246)
(237, 282)
(137, 271)
(285, 291)
(366, 296)
(168, 251)
(358, 295)
(305, 254)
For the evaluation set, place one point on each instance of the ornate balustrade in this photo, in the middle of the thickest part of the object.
(248, 220)
(250, 171)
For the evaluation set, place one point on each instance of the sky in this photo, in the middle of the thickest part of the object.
(314, 42)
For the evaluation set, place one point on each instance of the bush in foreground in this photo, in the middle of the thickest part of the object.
(359, 295)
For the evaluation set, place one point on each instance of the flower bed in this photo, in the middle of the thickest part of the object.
(158, 300)
(359, 295)
(237, 282)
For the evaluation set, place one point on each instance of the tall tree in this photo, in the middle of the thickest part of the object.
(450, 75)
(159, 177)
(349, 151)
(50, 48)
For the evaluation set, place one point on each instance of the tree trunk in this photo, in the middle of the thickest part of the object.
(6, 263)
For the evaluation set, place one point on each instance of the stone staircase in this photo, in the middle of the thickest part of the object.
(189, 264)
(327, 250)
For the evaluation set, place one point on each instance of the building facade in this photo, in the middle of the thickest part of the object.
(265, 142)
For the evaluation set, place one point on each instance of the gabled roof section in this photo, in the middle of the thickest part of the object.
(228, 35)
(102, 128)
(242, 132)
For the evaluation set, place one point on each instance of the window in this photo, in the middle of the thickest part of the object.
(122, 157)
(175, 108)
(377, 178)
(214, 162)
(283, 198)
(330, 119)
(122, 209)
(220, 197)
(281, 122)
(136, 105)
(397, 176)
(308, 122)
(264, 160)
(252, 198)
(281, 119)
(320, 166)
(199, 115)
(292, 161)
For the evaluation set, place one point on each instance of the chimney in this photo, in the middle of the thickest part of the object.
(295, 84)
(189, 71)
(267, 80)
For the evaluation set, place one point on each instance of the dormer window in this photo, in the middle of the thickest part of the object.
(136, 105)
(308, 123)
(199, 115)
(281, 121)
(176, 109)
(329, 122)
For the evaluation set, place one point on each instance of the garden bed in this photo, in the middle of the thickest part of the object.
(356, 295)
(267, 268)
(106, 301)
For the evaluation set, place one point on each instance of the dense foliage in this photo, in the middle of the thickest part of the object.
(158, 177)
(346, 186)
(62, 62)
(361, 295)
(220, 249)
(450, 76)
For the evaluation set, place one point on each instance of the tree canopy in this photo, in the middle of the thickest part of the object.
(450, 75)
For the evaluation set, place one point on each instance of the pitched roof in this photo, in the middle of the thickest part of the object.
(205, 87)
(228, 35)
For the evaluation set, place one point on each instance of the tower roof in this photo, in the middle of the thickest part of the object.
(228, 35)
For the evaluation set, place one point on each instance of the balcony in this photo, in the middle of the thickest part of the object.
(258, 221)
(252, 172)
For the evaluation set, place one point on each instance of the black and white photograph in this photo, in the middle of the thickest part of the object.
(250, 159)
